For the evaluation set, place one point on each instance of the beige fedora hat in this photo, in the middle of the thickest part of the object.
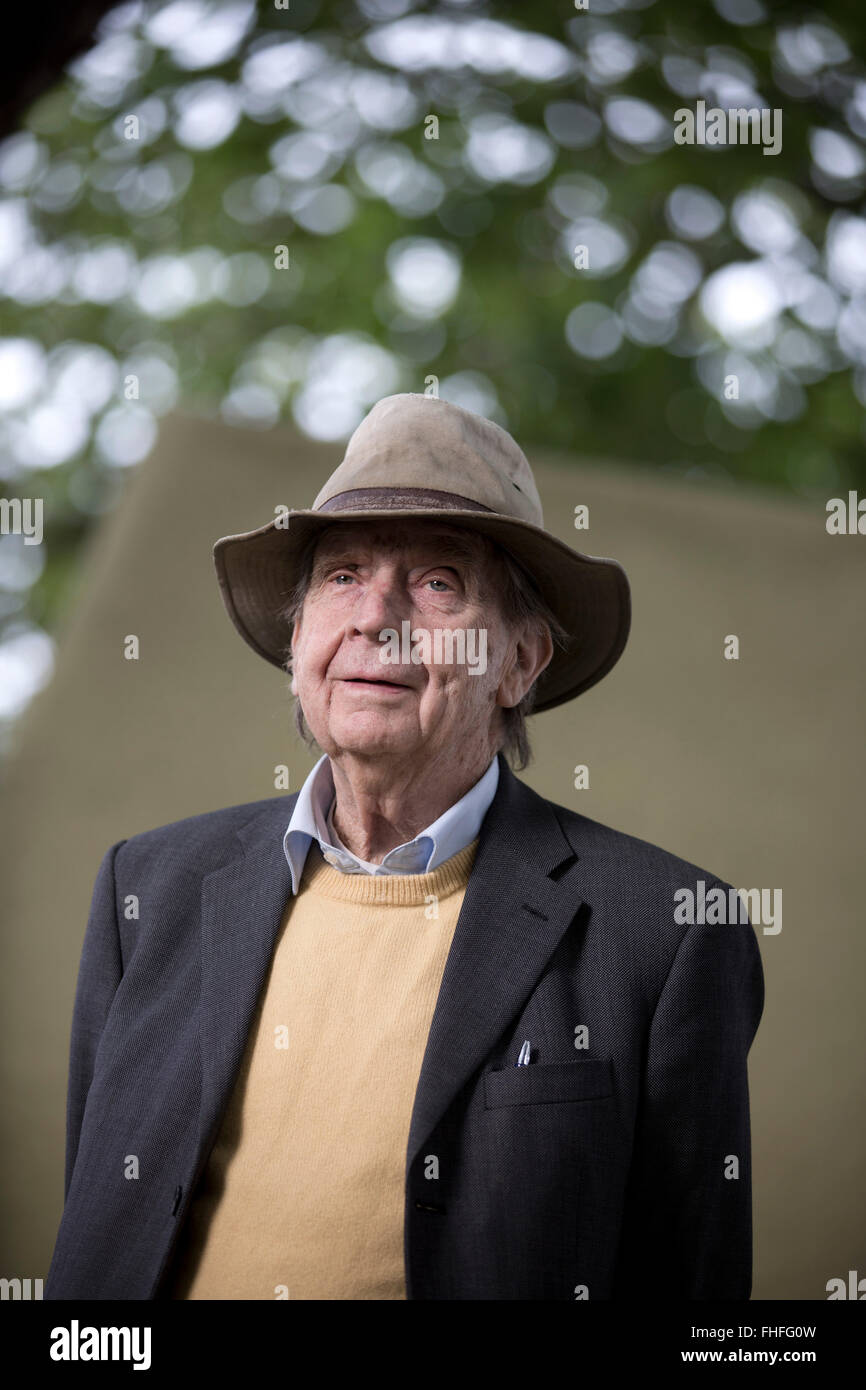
(417, 456)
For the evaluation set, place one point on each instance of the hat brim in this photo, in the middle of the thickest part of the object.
(589, 594)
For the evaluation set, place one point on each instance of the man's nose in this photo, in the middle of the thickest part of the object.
(382, 603)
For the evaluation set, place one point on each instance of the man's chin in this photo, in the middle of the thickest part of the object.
(370, 734)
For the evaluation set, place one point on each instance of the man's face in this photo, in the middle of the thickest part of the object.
(369, 578)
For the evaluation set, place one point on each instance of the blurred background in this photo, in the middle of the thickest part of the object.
(226, 230)
(145, 189)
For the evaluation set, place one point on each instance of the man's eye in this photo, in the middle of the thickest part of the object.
(343, 575)
(439, 581)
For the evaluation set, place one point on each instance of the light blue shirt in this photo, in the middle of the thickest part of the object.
(311, 820)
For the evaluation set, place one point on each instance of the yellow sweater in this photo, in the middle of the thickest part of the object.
(303, 1193)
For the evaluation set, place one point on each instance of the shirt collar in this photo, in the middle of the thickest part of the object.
(452, 831)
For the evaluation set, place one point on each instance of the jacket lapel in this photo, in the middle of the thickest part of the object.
(519, 902)
(242, 906)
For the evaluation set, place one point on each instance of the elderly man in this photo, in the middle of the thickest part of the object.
(414, 1031)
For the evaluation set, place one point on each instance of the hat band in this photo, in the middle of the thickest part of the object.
(363, 499)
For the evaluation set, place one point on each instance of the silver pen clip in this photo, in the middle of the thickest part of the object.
(524, 1055)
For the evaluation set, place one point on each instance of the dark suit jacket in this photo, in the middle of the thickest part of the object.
(600, 1173)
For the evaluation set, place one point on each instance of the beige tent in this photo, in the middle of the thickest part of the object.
(752, 768)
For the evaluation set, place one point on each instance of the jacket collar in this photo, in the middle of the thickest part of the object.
(519, 902)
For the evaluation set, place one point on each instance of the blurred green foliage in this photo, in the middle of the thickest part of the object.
(146, 196)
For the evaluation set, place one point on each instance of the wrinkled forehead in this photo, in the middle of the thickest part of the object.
(432, 538)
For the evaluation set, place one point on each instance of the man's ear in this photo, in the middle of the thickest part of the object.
(295, 631)
(532, 652)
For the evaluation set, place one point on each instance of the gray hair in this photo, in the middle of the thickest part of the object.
(520, 601)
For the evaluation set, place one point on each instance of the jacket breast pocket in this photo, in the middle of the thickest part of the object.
(549, 1083)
